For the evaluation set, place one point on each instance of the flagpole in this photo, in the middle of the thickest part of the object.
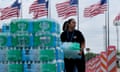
(105, 38)
(117, 34)
(106, 30)
(107, 24)
(21, 16)
(49, 9)
(78, 15)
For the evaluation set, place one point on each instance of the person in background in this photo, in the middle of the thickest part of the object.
(70, 34)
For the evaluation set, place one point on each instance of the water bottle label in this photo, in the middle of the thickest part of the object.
(3, 68)
(3, 55)
(47, 55)
(21, 41)
(15, 68)
(45, 40)
(14, 55)
(48, 68)
(31, 67)
(31, 55)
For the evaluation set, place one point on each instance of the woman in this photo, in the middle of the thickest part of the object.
(72, 35)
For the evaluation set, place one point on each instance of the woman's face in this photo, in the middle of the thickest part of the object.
(72, 24)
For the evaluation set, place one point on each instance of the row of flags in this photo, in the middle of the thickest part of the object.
(65, 9)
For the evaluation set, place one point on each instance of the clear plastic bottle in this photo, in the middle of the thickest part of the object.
(60, 65)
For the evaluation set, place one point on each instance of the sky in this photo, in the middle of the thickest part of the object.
(92, 28)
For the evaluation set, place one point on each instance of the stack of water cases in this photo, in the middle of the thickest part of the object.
(31, 46)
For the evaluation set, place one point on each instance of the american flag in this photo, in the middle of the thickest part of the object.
(61, 8)
(117, 18)
(95, 9)
(39, 8)
(67, 9)
(12, 11)
(71, 9)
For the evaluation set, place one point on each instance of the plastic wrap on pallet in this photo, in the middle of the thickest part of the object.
(4, 40)
(45, 26)
(60, 66)
(15, 67)
(19, 41)
(71, 50)
(21, 26)
(9, 43)
(46, 41)
(32, 67)
(14, 55)
(30, 55)
(5, 28)
(31, 41)
(59, 53)
(3, 67)
(31, 46)
(48, 67)
(3, 55)
(47, 55)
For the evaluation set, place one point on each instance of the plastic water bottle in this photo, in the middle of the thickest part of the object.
(21, 26)
(22, 40)
(31, 41)
(9, 43)
(48, 67)
(47, 55)
(60, 65)
(32, 67)
(3, 67)
(46, 40)
(71, 50)
(15, 68)
(14, 55)
(5, 28)
(59, 53)
(3, 55)
(30, 55)
(3, 39)
(46, 26)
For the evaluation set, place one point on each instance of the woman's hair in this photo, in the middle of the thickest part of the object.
(70, 20)
(65, 26)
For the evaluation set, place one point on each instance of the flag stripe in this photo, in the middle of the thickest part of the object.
(61, 8)
(95, 9)
(9, 16)
(38, 9)
(9, 12)
(66, 9)
(40, 13)
(71, 11)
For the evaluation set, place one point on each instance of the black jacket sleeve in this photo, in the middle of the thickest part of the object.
(81, 37)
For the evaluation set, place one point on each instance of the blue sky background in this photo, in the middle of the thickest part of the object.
(92, 28)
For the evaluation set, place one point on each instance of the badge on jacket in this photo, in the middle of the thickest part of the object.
(75, 37)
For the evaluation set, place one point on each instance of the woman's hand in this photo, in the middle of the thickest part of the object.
(81, 51)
